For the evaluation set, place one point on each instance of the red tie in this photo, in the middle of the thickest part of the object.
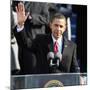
(55, 47)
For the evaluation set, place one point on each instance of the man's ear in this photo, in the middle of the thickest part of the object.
(65, 27)
(50, 25)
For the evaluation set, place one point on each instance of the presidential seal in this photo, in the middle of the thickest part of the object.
(53, 83)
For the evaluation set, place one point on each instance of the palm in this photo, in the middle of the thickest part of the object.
(21, 17)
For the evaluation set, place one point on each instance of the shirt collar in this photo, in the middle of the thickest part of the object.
(59, 41)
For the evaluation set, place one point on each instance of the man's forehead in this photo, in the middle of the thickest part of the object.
(59, 20)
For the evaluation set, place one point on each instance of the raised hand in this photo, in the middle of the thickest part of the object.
(21, 16)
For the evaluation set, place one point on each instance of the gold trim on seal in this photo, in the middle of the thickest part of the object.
(53, 83)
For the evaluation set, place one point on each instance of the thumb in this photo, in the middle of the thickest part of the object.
(27, 15)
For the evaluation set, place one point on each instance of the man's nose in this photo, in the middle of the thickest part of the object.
(58, 28)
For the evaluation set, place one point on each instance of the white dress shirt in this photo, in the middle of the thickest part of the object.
(59, 41)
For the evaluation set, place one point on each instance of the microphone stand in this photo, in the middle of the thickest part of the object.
(53, 69)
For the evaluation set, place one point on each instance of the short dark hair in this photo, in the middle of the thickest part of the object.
(58, 16)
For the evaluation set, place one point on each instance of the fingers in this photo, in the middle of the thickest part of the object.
(20, 7)
(21, 17)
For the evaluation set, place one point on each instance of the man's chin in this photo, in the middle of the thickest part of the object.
(58, 37)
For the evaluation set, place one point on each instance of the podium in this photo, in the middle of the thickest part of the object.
(44, 80)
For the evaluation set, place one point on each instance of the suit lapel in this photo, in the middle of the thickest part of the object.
(65, 48)
(50, 43)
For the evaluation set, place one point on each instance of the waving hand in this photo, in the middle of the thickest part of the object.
(21, 16)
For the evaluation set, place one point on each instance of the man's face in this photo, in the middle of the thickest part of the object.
(58, 26)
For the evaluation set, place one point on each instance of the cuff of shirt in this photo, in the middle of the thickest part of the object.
(20, 28)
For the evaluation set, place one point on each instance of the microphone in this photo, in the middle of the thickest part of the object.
(58, 58)
(58, 55)
(50, 58)
(77, 69)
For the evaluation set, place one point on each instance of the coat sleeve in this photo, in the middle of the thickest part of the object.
(25, 42)
(74, 65)
(22, 38)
